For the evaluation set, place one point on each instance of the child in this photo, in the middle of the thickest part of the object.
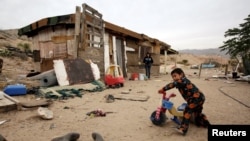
(194, 98)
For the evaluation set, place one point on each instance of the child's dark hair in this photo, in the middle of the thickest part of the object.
(178, 71)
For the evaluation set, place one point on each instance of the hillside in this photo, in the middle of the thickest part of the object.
(193, 59)
(207, 52)
(16, 64)
(10, 38)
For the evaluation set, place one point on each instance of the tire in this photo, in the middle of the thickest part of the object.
(160, 121)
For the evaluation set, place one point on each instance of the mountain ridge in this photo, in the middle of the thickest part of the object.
(209, 51)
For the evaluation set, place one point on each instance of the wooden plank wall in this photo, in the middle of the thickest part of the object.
(54, 42)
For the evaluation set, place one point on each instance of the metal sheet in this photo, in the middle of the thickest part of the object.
(78, 71)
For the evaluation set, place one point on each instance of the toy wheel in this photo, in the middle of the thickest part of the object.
(159, 121)
(117, 85)
(121, 84)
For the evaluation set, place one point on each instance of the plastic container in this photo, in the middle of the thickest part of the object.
(13, 90)
(141, 76)
(135, 76)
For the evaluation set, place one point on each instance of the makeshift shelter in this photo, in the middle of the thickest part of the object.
(87, 36)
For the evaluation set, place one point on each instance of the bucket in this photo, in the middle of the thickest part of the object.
(135, 76)
(167, 104)
(141, 76)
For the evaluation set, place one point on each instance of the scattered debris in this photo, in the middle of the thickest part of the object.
(72, 136)
(194, 67)
(216, 77)
(52, 125)
(3, 121)
(229, 82)
(46, 79)
(220, 77)
(45, 113)
(140, 92)
(95, 70)
(97, 113)
(9, 103)
(66, 107)
(64, 92)
(1, 95)
(32, 73)
(33, 90)
(109, 98)
(244, 78)
(36, 103)
(131, 97)
(73, 71)
(125, 92)
(17, 89)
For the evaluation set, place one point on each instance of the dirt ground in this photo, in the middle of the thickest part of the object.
(227, 102)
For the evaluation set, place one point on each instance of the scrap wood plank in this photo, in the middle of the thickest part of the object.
(18, 104)
(5, 102)
(36, 103)
(8, 103)
(131, 97)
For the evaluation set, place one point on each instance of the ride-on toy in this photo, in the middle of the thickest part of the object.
(114, 77)
(158, 117)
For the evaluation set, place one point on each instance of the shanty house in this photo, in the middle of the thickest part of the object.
(87, 36)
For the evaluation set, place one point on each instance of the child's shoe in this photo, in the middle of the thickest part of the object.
(177, 129)
(206, 124)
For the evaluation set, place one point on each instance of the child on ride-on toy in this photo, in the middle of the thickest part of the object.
(194, 98)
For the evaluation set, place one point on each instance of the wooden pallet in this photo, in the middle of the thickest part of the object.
(8, 103)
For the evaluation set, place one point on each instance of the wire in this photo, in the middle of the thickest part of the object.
(220, 89)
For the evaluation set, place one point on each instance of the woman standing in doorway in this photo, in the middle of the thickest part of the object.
(148, 61)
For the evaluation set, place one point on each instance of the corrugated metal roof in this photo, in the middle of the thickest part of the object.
(33, 28)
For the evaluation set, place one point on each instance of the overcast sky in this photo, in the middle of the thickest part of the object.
(184, 24)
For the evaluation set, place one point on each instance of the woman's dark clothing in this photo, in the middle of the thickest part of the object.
(148, 61)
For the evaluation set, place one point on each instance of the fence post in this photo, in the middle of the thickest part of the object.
(200, 70)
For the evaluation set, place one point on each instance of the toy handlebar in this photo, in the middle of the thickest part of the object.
(165, 96)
